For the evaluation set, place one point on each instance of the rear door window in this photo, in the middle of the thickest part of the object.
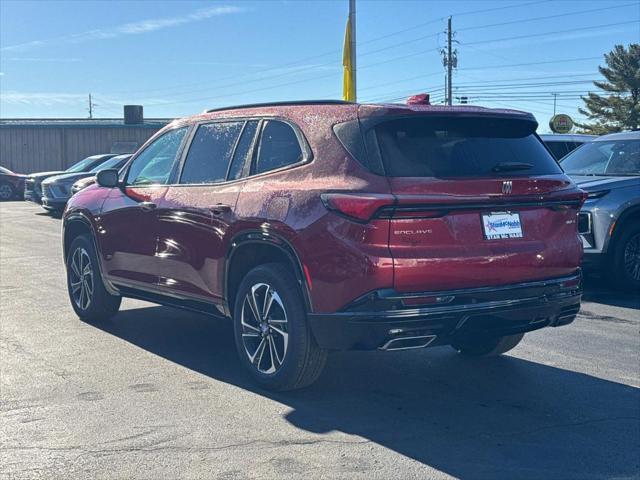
(279, 147)
(210, 153)
(462, 147)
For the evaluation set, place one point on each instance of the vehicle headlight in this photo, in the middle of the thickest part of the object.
(598, 194)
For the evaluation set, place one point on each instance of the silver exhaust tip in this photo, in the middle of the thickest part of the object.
(407, 343)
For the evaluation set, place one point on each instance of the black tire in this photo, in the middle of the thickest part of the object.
(298, 360)
(89, 298)
(625, 267)
(7, 192)
(487, 346)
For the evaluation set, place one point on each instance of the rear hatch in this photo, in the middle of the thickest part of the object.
(479, 201)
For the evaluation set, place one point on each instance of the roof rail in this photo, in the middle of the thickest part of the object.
(281, 104)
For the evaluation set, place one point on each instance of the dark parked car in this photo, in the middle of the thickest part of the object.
(561, 144)
(11, 184)
(320, 226)
(33, 183)
(116, 162)
(57, 190)
(608, 168)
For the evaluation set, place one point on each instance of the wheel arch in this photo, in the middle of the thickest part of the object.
(76, 224)
(250, 249)
(628, 215)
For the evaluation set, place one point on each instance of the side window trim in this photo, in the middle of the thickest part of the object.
(248, 163)
(307, 154)
(177, 171)
(235, 150)
(130, 162)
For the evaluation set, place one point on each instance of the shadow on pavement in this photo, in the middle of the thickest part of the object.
(496, 418)
(599, 289)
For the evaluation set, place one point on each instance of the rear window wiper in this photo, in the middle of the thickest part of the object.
(510, 166)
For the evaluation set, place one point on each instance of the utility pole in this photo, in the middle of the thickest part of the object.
(555, 97)
(352, 22)
(450, 61)
(91, 105)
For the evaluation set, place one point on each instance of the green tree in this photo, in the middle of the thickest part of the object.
(619, 108)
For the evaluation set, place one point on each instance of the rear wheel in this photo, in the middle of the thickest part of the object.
(273, 338)
(626, 259)
(6, 191)
(487, 346)
(89, 298)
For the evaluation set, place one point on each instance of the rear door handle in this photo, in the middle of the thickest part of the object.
(220, 209)
(147, 205)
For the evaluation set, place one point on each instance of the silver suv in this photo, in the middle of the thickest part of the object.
(608, 168)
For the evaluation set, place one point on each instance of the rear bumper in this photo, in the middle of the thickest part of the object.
(456, 314)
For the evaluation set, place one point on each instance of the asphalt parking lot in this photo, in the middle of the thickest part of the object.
(158, 393)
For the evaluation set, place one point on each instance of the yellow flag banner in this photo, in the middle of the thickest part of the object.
(348, 87)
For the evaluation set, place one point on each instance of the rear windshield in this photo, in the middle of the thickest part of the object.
(462, 147)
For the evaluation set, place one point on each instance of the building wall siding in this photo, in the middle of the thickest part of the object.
(37, 149)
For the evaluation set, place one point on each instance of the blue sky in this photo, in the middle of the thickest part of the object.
(180, 57)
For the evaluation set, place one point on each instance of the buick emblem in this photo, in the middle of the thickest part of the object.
(507, 187)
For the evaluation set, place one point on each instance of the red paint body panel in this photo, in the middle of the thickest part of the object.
(181, 247)
(451, 252)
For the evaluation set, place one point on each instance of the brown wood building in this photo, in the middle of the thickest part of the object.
(37, 145)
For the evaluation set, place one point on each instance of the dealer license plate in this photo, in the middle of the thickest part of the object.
(497, 225)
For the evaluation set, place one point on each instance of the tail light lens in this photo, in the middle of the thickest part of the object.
(360, 207)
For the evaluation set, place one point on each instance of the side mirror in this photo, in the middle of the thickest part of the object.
(108, 178)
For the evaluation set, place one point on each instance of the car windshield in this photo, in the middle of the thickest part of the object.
(606, 158)
(81, 165)
(5, 170)
(111, 163)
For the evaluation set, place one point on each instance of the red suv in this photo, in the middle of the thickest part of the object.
(320, 226)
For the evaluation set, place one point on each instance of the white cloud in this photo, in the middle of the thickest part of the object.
(38, 60)
(14, 97)
(133, 28)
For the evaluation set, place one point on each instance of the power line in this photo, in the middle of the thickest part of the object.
(526, 64)
(546, 17)
(531, 35)
(388, 61)
(307, 68)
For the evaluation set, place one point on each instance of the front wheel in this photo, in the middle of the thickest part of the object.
(626, 259)
(487, 346)
(89, 297)
(272, 335)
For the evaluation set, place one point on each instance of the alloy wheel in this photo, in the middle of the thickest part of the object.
(81, 278)
(632, 257)
(265, 333)
(5, 192)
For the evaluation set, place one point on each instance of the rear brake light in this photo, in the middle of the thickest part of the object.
(419, 99)
(360, 206)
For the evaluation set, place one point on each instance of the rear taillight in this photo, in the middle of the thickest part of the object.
(408, 212)
(357, 206)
